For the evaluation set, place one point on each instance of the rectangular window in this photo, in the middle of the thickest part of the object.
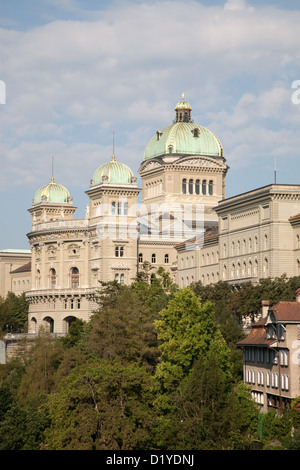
(284, 382)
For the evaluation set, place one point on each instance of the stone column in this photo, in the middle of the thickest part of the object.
(61, 264)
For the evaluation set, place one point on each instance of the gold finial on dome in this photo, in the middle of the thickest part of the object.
(52, 179)
(113, 155)
(182, 96)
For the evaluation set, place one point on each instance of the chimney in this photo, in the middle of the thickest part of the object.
(298, 295)
(265, 307)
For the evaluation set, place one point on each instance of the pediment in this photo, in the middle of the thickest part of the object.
(150, 165)
(199, 162)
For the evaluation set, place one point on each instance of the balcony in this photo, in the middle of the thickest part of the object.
(61, 224)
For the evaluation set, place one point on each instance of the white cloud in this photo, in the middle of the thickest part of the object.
(69, 83)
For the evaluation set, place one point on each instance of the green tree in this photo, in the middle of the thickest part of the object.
(187, 331)
(23, 426)
(13, 312)
(102, 405)
(210, 412)
(123, 328)
(155, 294)
(41, 364)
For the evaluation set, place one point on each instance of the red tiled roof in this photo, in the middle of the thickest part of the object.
(257, 336)
(22, 269)
(287, 311)
(283, 312)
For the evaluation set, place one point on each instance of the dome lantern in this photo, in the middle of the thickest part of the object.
(183, 111)
(183, 138)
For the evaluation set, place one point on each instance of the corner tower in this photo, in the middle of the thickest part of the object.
(112, 217)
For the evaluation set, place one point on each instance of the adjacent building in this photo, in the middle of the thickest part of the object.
(272, 355)
(12, 263)
(258, 236)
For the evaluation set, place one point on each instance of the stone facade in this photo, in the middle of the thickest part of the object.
(184, 224)
(258, 236)
(12, 280)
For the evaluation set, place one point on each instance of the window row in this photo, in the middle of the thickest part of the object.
(210, 258)
(245, 269)
(270, 379)
(239, 247)
(154, 258)
(197, 187)
(73, 277)
(266, 355)
(119, 208)
(72, 304)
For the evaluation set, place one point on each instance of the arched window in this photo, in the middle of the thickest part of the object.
(153, 258)
(74, 278)
(117, 277)
(191, 184)
(166, 258)
(52, 278)
(38, 279)
(119, 251)
(184, 186)
(197, 187)
(210, 188)
(204, 187)
(113, 208)
(170, 149)
(140, 257)
(121, 278)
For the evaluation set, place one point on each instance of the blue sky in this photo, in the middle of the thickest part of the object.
(75, 71)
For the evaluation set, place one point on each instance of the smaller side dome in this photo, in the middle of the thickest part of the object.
(52, 193)
(113, 172)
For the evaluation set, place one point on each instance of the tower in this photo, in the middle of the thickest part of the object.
(59, 262)
(112, 215)
(183, 178)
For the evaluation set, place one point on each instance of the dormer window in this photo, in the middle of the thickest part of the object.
(158, 135)
(196, 132)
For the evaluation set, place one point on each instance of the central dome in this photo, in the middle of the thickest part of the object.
(184, 137)
(113, 172)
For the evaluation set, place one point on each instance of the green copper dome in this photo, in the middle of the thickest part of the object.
(52, 192)
(184, 137)
(113, 173)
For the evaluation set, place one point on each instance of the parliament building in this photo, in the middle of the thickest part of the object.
(183, 223)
